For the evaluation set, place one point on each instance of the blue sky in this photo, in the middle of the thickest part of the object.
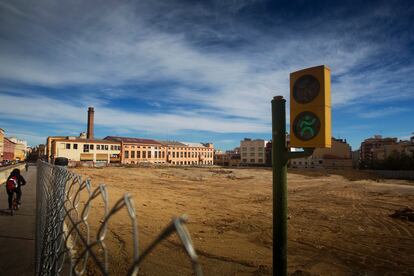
(201, 70)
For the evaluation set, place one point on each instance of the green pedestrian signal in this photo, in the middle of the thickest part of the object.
(306, 125)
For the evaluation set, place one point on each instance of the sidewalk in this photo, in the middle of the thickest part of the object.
(17, 232)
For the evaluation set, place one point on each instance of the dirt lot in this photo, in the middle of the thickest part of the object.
(338, 225)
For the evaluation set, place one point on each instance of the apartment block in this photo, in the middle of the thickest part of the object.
(8, 149)
(20, 149)
(253, 151)
(1, 144)
(370, 145)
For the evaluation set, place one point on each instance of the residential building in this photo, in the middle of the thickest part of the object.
(229, 158)
(1, 144)
(20, 150)
(8, 150)
(370, 145)
(253, 151)
(356, 155)
(336, 157)
(393, 150)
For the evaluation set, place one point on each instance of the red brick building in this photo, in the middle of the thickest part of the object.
(8, 150)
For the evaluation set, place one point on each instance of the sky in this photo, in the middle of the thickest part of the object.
(201, 71)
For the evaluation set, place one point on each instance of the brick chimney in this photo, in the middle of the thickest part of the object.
(91, 113)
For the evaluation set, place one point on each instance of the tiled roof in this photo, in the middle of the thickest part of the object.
(131, 140)
(171, 143)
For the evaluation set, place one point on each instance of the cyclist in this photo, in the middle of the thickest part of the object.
(13, 185)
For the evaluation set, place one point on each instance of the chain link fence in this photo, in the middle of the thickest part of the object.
(64, 243)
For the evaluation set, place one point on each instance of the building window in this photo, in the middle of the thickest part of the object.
(156, 154)
(163, 154)
(98, 147)
(251, 148)
(244, 154)
(173, 154)
(149, 154)
(85, 148)
(112, 147)
(260, 160)
(75, 146)
(132, 154)
(67, 146)
(126, 154)
(181, 155)
(91, 147)
(260, 153)
(185, 154)
(251, 160)
(106, 147)
(138, 154)
(244, 160)
(320, 161)
(252, 154)
(144, 154)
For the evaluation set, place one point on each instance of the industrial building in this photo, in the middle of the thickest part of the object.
(126, 150)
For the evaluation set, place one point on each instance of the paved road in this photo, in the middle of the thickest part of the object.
(17, 233)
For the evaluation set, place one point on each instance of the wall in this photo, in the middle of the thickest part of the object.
(5, 171)
(407, 175)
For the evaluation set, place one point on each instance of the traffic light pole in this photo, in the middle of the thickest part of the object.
(280, 157)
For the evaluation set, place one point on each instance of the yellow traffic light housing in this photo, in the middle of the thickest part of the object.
(310, 108)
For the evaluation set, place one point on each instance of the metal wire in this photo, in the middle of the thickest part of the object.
(64, 243)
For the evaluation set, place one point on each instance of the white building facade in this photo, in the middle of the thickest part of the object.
(253, 151)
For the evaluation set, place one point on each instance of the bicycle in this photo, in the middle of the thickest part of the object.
(15, 204)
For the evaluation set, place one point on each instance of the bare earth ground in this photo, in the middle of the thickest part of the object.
(338, 225)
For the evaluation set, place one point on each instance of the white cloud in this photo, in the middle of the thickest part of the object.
(111, 45)
(384, 112)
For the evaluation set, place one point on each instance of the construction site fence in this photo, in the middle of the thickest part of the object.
(65, 244)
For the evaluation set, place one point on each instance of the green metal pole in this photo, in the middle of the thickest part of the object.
(279, 161)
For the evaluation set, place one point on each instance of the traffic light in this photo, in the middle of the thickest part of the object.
(310, 108)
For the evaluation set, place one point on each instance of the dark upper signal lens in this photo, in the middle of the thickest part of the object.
(305, 89)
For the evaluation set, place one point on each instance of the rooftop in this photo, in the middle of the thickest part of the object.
(131, 140)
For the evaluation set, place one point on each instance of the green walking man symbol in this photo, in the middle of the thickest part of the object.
(306, 125)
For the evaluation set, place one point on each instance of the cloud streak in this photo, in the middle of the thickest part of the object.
(201, 66)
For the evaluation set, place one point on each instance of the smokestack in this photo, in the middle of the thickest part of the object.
(91, 112)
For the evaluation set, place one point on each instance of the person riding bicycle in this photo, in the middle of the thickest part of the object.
(13, 185)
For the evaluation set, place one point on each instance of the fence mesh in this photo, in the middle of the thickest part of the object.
(64, 243)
